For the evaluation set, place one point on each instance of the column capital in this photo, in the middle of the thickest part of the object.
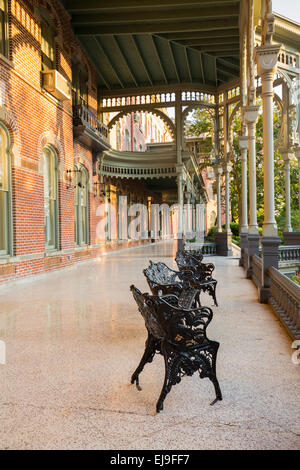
(288, 156)
(218, 169)
(243, 141)
(227, 168)
(179, 168)
(251, 113)
(266, 57)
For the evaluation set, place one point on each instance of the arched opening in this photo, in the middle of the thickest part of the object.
(136, 131)
(81, 194)
(51, 198)
(5, 192)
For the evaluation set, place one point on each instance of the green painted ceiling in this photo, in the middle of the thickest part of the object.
(144, 43)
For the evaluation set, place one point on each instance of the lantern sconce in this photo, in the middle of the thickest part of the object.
(69, 178)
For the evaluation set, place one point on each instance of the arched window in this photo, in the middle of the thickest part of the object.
(81, 206)
(51, 198)
(5, 196)
(127, 141)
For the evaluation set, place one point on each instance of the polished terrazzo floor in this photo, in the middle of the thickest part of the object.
(74, 336)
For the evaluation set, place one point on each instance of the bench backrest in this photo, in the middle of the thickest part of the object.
(181, 328)
(147, 308)
(184, 260)
(161, 274)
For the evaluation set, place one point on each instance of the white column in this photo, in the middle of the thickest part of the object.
(227, 170)
(297, 152)
(180, 205)
(266, 57)
(218, 172)
(243, 140)
(251, 115)
(287, 158)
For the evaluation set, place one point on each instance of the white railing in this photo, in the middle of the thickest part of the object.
(128, 172)
(285, 301)
(289, 253)
(207, 249)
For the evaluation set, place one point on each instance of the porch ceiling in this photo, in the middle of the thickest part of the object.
(143, 43)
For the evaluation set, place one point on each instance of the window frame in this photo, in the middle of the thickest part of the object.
(55, 246)
(47, 22)
(9, 215)
(80, 80)
(79, 168)
(4, 29)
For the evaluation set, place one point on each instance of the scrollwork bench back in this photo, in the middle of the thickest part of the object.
(180, 336)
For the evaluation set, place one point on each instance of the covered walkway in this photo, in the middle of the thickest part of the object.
(74, 336)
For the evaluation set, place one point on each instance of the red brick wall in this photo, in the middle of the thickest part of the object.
(34, 119)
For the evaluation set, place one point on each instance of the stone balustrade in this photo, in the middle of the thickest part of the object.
(285, 301)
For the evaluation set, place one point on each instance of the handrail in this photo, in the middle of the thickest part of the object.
(257, 270)
(207, 249)
(285, 301)
(90, 120)
(289, 253)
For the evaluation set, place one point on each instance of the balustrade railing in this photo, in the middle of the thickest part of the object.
(138, 172)
(257, 271)
(207, 249)
(86, 117)
(285, 301)
(289, 253)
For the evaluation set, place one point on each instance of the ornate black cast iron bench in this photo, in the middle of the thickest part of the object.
(193, 262)
(202, 272)
(180, 336)
(164, 280)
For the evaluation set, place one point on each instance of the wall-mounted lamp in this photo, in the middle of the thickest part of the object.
(69, 177)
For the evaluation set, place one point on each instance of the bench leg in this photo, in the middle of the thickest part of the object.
(208, 369)
(212, 291)
(150, 348)
(166, 386)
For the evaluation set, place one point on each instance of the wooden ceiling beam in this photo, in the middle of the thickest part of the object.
(202, 35)
(140, 55)
(188, 64)
(155, 15)
(159, 59)
(111, 5)
(209, 41)
(218, 47)
(125, 60)
(110, 63)
(148, 27)
(174, 61)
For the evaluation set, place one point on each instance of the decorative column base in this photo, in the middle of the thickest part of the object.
(291, 238)
(253, 249)
(180, 244)
(223, 241)
(270, 257)
(244, 244)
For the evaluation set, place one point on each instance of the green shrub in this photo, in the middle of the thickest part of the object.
(236, 240)
(211, 237)
(296, 279)
(234, 227)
